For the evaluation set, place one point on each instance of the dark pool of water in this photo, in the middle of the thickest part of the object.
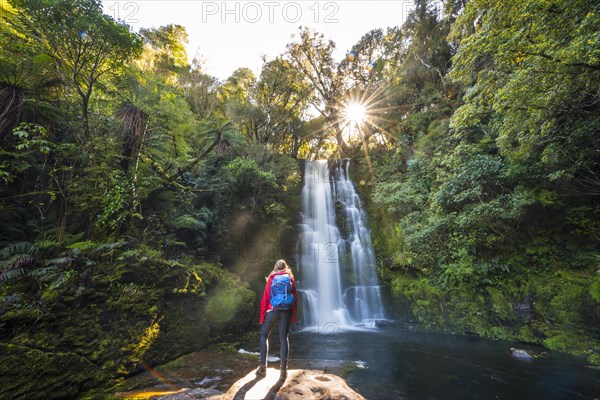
(402, 363)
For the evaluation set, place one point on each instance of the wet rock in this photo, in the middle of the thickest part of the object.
(524, 310)
(209, 381)
(521, 354)
(188, 394)
(527, 354)
(184, 375)
(224, 371)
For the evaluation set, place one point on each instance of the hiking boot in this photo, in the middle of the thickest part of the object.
(261, 371)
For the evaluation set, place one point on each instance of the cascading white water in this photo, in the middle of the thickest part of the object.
(337, 267)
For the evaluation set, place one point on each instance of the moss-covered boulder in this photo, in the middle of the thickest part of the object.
(129, 315)
(28, 373)
(189, 322)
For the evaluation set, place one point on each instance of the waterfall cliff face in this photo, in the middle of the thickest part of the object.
(339, 286)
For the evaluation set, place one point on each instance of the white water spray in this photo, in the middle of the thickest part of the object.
(337, 267)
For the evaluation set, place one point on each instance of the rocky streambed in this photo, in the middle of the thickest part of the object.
(227, 374)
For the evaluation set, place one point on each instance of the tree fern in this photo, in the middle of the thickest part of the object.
(25, 91)
(134, 122)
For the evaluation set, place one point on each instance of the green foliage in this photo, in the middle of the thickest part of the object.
(193, 228)
(27, 88)
(247, 178)
(490, 188)
(228, 302)
(24, 366)
(595, 287)
(29, 144)
(531, 92)
(424, 298)
(114, 204)
(481, 179)
(17, 259)
(312, 55)
(167, 53)
(84, 42)
(117, 182)
(189, 222)
(500, 306)
(201, 91)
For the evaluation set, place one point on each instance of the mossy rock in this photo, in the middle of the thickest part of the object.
(184, 310)
(90, 335)
(230, 306)
(182, 329)
(27, 373)
(499, 305)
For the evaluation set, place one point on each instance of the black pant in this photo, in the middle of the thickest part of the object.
(284, 317)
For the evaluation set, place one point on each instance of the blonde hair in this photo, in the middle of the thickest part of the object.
(281, 265)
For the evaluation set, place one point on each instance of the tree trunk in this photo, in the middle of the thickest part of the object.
(85, 116)
(295, 146)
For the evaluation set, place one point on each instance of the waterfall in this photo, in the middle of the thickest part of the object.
(339, 286)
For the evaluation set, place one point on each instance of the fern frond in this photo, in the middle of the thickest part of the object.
(17, 261)
(83, 246)
(11, 274)
(21, 261)
(61, 261)
(46, 243)
(43, 273)
(18, 248)
(63, 277)
(107, 246)
(70, 239)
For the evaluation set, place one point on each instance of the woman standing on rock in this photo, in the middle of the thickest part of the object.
(278, 305)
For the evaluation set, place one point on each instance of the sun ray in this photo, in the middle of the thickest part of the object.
(363, 116)
(360, 111)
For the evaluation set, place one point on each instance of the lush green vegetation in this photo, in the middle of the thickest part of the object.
(135, 189)
(132, 185)
(486, 204)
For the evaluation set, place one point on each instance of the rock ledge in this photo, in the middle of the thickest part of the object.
(300, 384)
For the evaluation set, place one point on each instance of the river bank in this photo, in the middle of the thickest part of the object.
(211, 373)
(397, 361)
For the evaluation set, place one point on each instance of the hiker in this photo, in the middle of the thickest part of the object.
(278, 305)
